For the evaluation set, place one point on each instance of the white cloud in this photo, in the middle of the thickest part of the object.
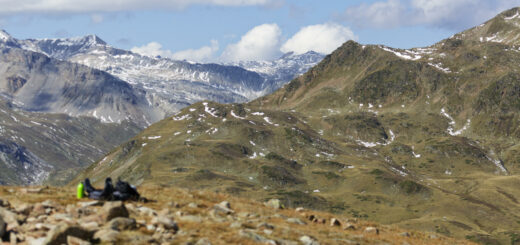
(263, 42)
(80, 6)
(448, 14)
(323, 38)
(152, 49)
(260, 43)
(204, 54)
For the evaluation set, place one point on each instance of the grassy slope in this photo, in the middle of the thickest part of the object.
(313, 139)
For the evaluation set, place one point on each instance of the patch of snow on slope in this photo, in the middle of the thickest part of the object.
(211, 111)
(400, 172)
(497, 162)
(266, 119)
(187, 116)
(368, 144)
(512, 17)
(154, 137)
(439, 67)
(374, 144)
(236, 116)
(450, 129)
(415, 154)
(407, 56)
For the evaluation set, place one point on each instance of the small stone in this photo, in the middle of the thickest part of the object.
(203, 241)
(335, 222)
(371, 230)
(113, 210)
(151, 227)
(167, 223)
(24, 209)
(349, 227)
(38, 209)
(265, 225)
(192, 205)
(255, 237)
(274, 203)
(405, 234)
(190, 218)
(106, 235)
(3, 227)
(71, 240)
(296, 221)
(319, 221)
(147, 211)
(223, 208)
(307, 240)
(50, 204)
(9, 217)
(122, 224)
(90, 225)
(311, 217)
(90, 204)
(4, 203)
(12, 238)
(58, 235)
(432, 236)
(267, 232)
(300, 209)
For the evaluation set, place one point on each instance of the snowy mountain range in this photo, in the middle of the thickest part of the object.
(171, 85)
(85, 78)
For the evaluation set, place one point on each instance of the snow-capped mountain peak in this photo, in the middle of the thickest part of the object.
(4, 35)
(63, 48)
(7, 39)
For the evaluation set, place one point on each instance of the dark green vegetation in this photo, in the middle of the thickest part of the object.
(424, 138)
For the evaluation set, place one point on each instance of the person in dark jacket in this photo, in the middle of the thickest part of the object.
(124, 191)
(106, 194)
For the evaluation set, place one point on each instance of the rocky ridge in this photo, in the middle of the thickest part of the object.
(172, 84)
(43, 215)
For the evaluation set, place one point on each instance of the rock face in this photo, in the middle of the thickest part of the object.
(51, 85)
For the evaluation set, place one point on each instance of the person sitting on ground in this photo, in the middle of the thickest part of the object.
(106, 194)
(124, 191)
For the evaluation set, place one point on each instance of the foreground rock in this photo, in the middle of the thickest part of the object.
(194, 218)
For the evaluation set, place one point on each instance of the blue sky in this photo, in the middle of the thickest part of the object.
(228, 30)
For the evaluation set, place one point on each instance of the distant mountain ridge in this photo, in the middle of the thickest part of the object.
(170, 84)
(104, 91)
